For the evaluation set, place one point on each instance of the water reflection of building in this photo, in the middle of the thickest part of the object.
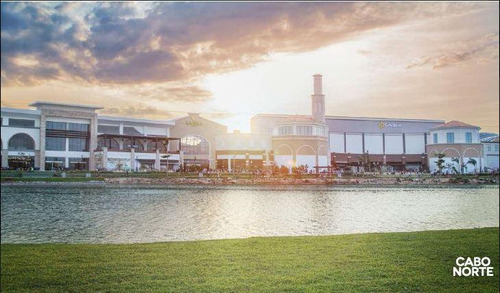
(54, 136)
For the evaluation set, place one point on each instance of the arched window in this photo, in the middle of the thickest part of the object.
(110, 143)
(21, 142)
(195, 145)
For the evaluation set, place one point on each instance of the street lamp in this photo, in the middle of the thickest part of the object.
(166, 156)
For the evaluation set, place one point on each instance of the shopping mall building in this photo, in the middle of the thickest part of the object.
(69, 136)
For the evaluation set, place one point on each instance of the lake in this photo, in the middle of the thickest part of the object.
(105, 213)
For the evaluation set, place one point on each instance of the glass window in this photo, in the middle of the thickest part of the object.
(78, 127)
(78, 144)
(160, 145)
(489, 148)
(496, 148)
(304, 130)
(56, 125)
(286, 130)
(78, 163)
(21, 142)
(54, 163)
(435, 138)
(468, 137)
(110, 143)
(55, 143)
(108, 129)
(129, 130)
(450, 137)
(132, 143)
(21, 122)
(195, 145)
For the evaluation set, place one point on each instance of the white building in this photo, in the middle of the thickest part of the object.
(490, 154)
(459, 147)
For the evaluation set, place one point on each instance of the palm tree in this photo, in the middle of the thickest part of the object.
(472, 162)
(440, 162)
(456, 160)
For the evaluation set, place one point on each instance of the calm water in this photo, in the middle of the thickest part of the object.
(124, 214)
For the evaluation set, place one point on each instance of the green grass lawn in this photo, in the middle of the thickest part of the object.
(410, 262)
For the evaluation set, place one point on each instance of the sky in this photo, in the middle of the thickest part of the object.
(230, 61)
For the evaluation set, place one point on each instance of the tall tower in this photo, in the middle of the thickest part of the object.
(318, 100)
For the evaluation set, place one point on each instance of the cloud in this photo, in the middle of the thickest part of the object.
(219, 115)
(130, 43)
(481, 50)
(165, 93)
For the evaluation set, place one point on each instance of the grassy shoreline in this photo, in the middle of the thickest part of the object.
(410, 261)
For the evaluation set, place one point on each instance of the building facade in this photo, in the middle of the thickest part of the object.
(458, 147)
(55, 136)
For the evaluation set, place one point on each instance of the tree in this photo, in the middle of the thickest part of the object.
(440, 161)
(365, 160)
(456, 160)
(472, 162)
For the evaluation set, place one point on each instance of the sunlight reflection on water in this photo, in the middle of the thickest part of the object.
(104, 213)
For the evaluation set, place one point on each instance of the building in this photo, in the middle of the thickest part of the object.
(490, 153)
(457, 145)
(357, 143)
(65, 136)
(62, 136)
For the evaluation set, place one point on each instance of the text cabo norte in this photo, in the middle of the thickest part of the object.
(474, 267)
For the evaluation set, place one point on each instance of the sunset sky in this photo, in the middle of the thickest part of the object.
(230, 61)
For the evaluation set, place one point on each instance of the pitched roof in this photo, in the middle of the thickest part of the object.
(455, 124)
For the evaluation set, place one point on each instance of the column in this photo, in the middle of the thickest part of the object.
(5, 158)
(132, 159)
(92, 143)
(104, 162)
(229, 163)
(41, 147)
(37, 159)
(157, 160)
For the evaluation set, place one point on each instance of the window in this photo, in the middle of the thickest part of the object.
(496, 148)
(489, 148)
(78, 127)
(21, 142)
(129, 130)
(195, 145)
(304, 130)
(450, 137)
(78, 163)
(78, 144)
(21, 122)
(56, 125)
(286, 130)
(132, 143)
(110, 143)
(468, 137)
(55, 143)
(54, 163)
(108, 129)
(435, 138)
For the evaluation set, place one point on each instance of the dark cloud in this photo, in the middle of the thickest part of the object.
(162, 42)
(484, 49)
